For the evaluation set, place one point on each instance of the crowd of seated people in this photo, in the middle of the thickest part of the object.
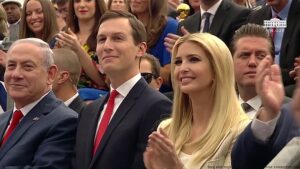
(81, 78)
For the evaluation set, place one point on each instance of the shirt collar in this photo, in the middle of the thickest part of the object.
(125, 88)
(26, 109)
(16, 23)
(70, 100)
(212, 10)
(255, 102)
(283, 14)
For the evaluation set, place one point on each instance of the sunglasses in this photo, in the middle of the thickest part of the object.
(148, 77)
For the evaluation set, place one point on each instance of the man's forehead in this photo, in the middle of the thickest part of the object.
(25, 48)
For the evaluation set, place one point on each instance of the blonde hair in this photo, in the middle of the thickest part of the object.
(226, 112)
(3, 22)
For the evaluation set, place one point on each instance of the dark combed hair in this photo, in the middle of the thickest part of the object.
(155, 65)
(252, 30)
(138, 30)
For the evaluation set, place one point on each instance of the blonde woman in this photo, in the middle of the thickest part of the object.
(206, 117)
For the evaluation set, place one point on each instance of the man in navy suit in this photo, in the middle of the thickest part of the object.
(40, 130)
(218, 17)
(286, 39)
(65, 83)
(273, 127)
(136, 109)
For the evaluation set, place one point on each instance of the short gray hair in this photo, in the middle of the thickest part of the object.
(44, 47)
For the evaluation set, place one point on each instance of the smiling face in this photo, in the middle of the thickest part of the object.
(192, 72)
(85, 9)
(139, 6)
(35, 17)
(248, 54)
(26, 77)
(117, 53)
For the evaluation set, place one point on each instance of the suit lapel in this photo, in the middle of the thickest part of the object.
(38, 112)
(76, 104)
(195, 23)
(93, 118)
(123, 109)
(4, 123)
(218, 19)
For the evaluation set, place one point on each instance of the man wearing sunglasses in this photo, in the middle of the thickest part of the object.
(149, 68)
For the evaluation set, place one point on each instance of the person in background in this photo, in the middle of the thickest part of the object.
(286, 38)
(153, 14)
(117, 5)
(275, 126)
(250, 45)
(13, 10)
(80, 36)
(113, 130)
(207, 117)
(61, 9)
(65, 83)
(39, 131)
(3, 24)
(3, 34)
(38, 20)
(218, 17)
(150, 70)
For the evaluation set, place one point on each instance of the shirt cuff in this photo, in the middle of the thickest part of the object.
(263, 130)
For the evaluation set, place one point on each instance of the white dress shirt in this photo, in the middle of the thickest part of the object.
(70, 100)
(261, 130)
(212, 10)
(123, 91)
(255, 104)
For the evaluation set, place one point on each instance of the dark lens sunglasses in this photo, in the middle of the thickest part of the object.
(148, 77)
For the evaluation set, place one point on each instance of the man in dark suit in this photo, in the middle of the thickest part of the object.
(40, 130)
(250, 45)
(65, 83)
(273, 127)
(286, 40)
(218, 17)
(113, 130)
(225, 17)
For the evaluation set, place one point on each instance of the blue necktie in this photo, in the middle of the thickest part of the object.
(206, 22)
(3, 97)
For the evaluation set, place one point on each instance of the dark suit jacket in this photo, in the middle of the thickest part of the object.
(290, 48)
(44, 138)
(229, 17)
(126, 137)
(250, 153)
(77, 105)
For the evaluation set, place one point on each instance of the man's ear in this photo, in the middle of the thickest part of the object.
(158, 82)
(52, 71)
(63, 77)
(142, 49)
